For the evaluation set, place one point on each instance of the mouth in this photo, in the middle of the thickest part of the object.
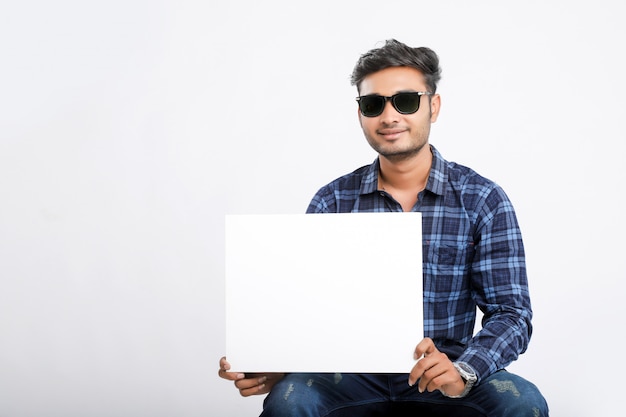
(391, 133)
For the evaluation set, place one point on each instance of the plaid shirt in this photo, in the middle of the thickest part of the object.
(472, 256)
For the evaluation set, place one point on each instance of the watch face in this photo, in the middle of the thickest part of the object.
(466, 371)
(465, 367)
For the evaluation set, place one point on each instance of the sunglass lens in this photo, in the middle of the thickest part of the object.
(406, 103)
(371, 105)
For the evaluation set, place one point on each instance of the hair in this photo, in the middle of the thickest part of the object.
(397, 54)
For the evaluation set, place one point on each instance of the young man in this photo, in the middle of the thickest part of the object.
(472, 252)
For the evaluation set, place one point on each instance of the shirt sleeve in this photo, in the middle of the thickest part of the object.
(500, 288)
(322, 202)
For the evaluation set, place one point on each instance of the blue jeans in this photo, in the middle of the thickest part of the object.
(337, 395)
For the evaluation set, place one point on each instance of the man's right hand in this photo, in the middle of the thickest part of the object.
(250, 384)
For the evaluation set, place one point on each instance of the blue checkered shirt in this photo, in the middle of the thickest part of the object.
(472, 256)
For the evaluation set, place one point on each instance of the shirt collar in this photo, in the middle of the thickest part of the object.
(436, 178)
(438, 173)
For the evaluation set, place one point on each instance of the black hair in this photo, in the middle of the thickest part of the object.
(397, 54)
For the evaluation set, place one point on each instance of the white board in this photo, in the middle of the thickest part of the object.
(323, 292)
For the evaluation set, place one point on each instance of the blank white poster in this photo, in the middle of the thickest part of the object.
(323, 293)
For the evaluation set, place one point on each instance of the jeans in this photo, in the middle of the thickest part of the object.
(502, 394)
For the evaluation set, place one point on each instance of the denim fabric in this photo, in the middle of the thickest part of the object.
(501, 394)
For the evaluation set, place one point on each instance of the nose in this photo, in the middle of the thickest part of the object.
(389, 114)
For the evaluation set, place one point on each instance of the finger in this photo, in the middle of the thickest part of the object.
(247, 383)
(432, 378)
(422, 365)
(429, 367)
(251, 386)
(265, 384)
(255, 390)
(225, 367)
(231, 376)
(423, 348)
(224, 364)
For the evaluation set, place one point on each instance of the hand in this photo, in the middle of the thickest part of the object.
(251, 384)
(435, 371)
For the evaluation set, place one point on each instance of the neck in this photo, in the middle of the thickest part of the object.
(408, 174)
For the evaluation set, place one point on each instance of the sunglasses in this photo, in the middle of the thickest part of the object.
(405, 103)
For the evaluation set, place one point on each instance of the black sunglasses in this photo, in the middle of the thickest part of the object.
(405, 103)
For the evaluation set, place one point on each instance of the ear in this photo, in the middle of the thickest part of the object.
(358, 115)
(435, 106)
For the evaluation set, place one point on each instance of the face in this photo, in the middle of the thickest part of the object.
(393, 135)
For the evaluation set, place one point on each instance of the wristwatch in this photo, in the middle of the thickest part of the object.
(468, 375)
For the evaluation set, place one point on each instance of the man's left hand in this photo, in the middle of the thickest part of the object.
(435, 371)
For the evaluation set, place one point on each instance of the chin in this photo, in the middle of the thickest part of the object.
(399, 154)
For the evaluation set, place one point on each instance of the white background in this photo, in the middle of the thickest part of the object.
(128, 129)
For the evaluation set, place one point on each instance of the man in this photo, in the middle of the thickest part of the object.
(472, 253)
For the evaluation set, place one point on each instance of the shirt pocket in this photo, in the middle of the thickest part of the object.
(447, 266)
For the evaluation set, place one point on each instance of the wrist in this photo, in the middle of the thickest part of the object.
(468, 376)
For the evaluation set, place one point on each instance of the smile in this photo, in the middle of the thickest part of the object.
(391, 134)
